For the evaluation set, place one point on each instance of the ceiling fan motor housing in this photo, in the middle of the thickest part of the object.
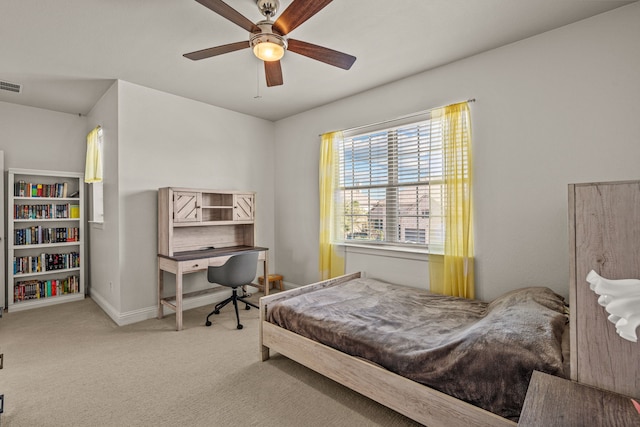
(268, 8)
(267, 35)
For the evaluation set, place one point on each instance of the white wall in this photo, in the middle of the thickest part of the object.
(104, 239)
(34, 138)
(166, 140)
(558, 108)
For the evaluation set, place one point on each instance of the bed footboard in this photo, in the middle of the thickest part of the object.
(412, 399)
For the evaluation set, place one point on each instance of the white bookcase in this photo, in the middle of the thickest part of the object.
(45, 238)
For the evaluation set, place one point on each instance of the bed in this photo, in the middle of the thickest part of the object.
(423, 368)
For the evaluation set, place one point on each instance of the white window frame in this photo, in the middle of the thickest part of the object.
(408, 194)
(97, 188)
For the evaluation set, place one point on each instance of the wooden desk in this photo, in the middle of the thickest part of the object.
(193, 261)
(553, 401)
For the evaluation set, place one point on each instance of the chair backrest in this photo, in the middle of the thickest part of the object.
(237, 271)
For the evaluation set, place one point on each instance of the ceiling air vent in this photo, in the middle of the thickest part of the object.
(11, 87)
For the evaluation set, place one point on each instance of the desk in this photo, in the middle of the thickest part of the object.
(194, 261)
(553, 401)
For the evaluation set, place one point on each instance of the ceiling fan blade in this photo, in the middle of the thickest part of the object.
(297, 13)
(273, 72)
(218, 50)
(323, 54)
(226, 11)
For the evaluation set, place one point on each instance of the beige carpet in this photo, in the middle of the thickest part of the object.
(70, 365)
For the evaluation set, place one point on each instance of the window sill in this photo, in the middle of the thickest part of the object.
(386, 250)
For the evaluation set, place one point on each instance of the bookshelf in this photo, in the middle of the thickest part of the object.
(45, 238)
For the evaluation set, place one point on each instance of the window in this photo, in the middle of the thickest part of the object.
(94, 177)
(97, 202)
(390, 184)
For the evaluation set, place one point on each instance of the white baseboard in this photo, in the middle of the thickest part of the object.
(105, 306)
(135, 316)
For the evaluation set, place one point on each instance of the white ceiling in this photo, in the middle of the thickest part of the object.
(67, 53)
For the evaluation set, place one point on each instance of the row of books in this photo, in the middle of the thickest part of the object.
(28, 189)
(49, 211)
(40, 235)
(37, 289)
(45, 262)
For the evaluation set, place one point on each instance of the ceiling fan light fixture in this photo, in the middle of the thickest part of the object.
(268, 51)
(269, 46)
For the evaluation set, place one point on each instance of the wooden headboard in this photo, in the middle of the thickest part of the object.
(604, 235)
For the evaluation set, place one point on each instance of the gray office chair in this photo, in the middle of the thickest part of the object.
(239, 270)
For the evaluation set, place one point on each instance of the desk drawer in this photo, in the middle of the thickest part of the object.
(195, 265)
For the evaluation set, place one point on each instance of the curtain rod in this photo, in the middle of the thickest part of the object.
(398, 118)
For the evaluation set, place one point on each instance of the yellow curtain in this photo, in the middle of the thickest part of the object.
(453, 273)
(331, 264)
(93, 163)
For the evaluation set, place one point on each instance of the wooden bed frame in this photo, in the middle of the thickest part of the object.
(418, 402)
(603, 235)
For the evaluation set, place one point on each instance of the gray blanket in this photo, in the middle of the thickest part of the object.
(482, 353)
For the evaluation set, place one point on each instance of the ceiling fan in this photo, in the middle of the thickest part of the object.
(268, 38)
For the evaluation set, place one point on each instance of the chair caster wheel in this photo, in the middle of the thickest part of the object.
(208, 323)
(239, 326)
(216, 312)
(248, 307)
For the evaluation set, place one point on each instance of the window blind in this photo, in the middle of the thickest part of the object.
(390, 184)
